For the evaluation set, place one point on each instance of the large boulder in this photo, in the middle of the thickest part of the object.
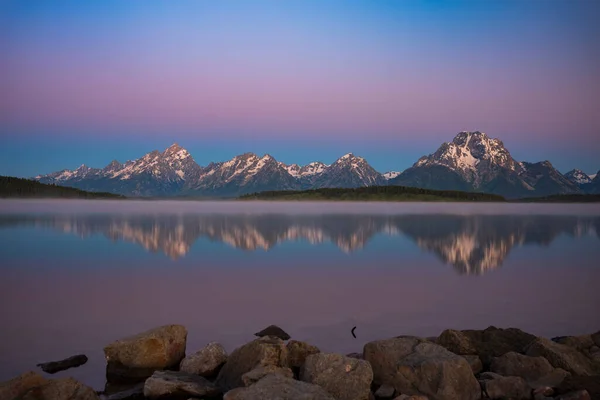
(19, 385)
(259, 352)
(573, 383)
(177, 384)
(206, 362)
(561, 356)
(580, 343)
(474, 362)
(250, 378)
(298, 351)
(343, 377)
(515, 364)
(61, 389)
(552, 379)
(137, 357)
(507, 387)
(457, 342)
(277, 387)
(415, 366)
(494, 342)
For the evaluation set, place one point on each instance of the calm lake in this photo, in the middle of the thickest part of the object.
(76, 275)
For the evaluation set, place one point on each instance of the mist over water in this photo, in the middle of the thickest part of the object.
(76, 275)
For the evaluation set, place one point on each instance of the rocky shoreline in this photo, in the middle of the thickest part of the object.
(492, 363)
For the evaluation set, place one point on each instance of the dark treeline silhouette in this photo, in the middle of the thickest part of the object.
(378, 193)
(563, 198)
(18, 187)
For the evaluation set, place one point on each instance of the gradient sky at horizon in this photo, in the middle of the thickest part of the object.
(91, 81)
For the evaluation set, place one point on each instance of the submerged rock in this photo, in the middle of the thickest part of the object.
(273, 330)
(277, 387)
(137, 357)
(178, 384)
(206, 362)
(414, 366)
(259, 352)
(343, 377)
(53, 367)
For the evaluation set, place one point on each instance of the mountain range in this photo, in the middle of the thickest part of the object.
(472, 161)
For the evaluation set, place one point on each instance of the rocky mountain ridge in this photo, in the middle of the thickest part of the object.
(472, 161)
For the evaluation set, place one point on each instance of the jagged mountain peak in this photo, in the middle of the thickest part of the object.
(176, 151)
(578, 177)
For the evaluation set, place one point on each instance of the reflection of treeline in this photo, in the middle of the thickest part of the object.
(17, 187)
(375, 193)
(564, 198)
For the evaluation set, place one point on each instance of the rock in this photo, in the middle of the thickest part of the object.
(259, 352)
(61, 389)
(515, 364)
(18, 386)
(512, 387)
(577, 395)
(413, 397)
(277, 387)
(298, 351)
(250, 378)
(580, 343)
(475, 363)
(489, 375)
(552, 379)
(53, 367)
(206, 362)
(343, 377)
(358, 356)
(573, 383)
(385, 392)
(178, 384)
(494, 342)
(456, 342)
(137, 357)
(596, 338)
(132, 393)
(561, 356)
(545, 391)
(414, 366)
(273, 330)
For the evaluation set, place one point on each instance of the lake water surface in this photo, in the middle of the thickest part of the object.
(76, 275)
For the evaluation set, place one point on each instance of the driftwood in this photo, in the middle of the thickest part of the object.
(56, 366)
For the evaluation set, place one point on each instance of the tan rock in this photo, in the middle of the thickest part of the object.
(251, 377)
(19, 385)
(527, 367)
(61, 389)
(474, 362)
(508, 387)
(205, 362)
(298, 351)
(456, 342)
(277, 387)
(178, 384)
(561, 356)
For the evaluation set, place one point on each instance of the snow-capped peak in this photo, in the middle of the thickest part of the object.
(593, 176)
(578, 177)
(390, 175)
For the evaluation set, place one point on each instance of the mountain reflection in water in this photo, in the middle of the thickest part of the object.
(471, 244)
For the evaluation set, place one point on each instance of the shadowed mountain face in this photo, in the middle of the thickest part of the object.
(471, 244)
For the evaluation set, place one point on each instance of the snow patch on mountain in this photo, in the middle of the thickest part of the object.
(578, 177)
(390, 175)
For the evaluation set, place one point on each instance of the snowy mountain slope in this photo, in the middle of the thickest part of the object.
(578, 177)
(390, 175)
(348, 171)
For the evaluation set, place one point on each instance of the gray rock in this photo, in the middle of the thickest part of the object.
(277, 387)
(250, 378)
(298, 351)
(137, 357)
(511, 387)
(527, 367)
(61, 389)
(456, 342)
(178, 384)
(206, 362)
(413, 397)
(415, 366)
(259, 352)
(343, 377)
(552, 379)
(474, 362)
(273, 330)
(385, 392)
(561, 356)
